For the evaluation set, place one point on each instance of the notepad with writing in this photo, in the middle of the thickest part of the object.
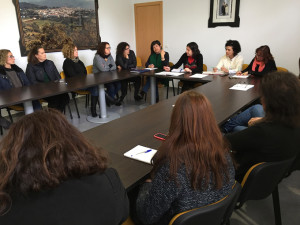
(169, 74)
(198, 75)
(141, 153)
(241, 87)
(240, 76)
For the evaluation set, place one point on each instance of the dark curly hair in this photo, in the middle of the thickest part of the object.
(31, 58)
(121, 48)
(101, 49)
(236, 47)
(41, 151)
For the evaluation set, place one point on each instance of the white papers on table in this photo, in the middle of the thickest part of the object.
(141, 153)
(177, 70)
(213, 73)
(241, 87)
(198, 75)
(169, 74)
(240, 76)
(150, 68)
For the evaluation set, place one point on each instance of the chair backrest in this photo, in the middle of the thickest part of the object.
(171, 64)
(244, 66)
(89, 69)
(62, 75)
(213, 214)
(281, 69)
(262, 178)
(204, 67)
(138, 61)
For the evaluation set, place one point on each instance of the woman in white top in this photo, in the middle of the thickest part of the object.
(232, 61)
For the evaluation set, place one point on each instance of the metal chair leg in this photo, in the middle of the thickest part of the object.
(75, 103)
(9, 114)
(70, 111)
(168, 90)
(276, 205)
(173, 87)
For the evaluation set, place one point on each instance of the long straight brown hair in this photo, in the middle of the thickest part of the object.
(42, 150)
(194, 141)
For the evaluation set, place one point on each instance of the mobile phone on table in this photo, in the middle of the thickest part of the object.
(160, 136)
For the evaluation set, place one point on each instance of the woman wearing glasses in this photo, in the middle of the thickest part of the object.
(262, 63)
(103, 61)
(12, 76)
(126, 60)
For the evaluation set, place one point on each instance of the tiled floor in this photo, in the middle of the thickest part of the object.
(253, 212)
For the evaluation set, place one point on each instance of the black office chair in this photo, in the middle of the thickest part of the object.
(261, 180)
(217, 213)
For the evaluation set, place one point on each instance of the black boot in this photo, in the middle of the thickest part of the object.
(94, 100)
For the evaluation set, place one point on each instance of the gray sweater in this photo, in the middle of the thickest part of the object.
(99, 64)
(162, 199)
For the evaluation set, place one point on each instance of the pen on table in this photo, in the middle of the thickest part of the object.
(149, 150)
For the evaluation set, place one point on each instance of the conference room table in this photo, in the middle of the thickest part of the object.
(26, 94)
(121, 135)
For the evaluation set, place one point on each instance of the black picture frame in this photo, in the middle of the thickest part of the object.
(50, 25)
(222, 15)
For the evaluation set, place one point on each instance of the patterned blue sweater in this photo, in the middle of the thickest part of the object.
(161, 199)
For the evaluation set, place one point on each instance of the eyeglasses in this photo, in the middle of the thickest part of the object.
(11, 56)
(108, 48)
(127, 48)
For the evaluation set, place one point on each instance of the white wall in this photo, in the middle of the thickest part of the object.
(272, 22)
(116, 25)
(262, 22)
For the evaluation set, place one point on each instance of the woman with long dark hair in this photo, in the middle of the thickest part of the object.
(192, 167)
(126, 60)
(276, 136)
(192, 61)
(50, 174)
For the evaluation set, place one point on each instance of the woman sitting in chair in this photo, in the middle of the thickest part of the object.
(232, 62)
(41, 70)
(274, 137)
(50, 174)
(262, 63)
(192, 168)
(126, 60)
(158, 59)
(73, 66)
(103, 61)
(12, 76)
(192, 61)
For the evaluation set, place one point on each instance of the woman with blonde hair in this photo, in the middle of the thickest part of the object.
(192, 167)
(73, 66)
(50, 174)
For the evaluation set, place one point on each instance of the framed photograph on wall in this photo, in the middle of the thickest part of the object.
(50, 23)
(224, 13)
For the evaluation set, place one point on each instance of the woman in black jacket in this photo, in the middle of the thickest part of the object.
(41, 70)
(192, 61)
(126, 60)
(262, 63)
(73, 66)
(50, 174)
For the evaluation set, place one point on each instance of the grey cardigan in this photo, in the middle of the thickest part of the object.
(99, 64)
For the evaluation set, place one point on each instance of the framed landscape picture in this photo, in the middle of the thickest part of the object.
(224, 13)
(50, 23)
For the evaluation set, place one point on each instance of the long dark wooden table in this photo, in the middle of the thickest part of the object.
(121, 135)
(26, 94)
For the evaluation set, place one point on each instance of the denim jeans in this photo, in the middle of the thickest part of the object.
(94, 90)
(113, 88)
(147, 86)
(240, 121)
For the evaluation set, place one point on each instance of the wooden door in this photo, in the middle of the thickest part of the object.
(148, 27)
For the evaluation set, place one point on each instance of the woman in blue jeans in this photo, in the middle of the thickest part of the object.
(244, 119)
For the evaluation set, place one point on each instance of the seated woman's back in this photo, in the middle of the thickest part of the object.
(50, 174)
(186, 172)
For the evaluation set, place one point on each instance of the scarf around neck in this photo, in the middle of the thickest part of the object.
(260, 64)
